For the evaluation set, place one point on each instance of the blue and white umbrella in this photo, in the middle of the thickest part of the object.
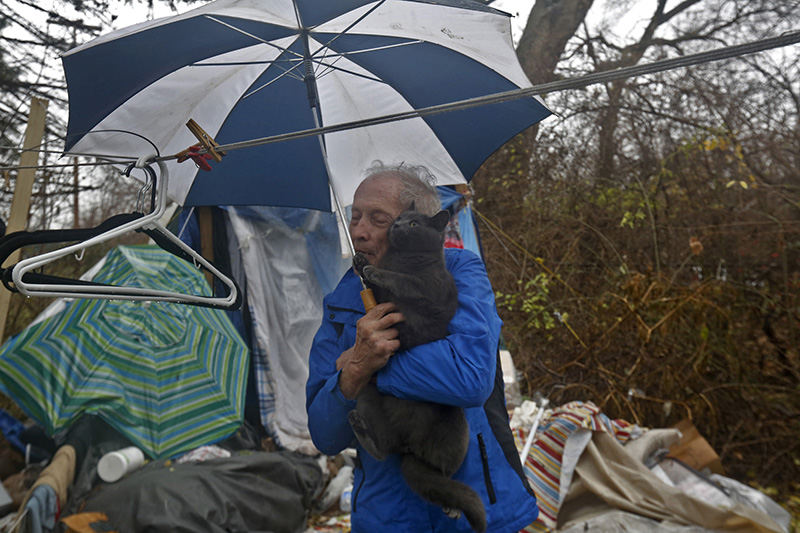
(245, 69)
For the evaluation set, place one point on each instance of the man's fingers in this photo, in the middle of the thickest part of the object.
(389, 343)
(386, 348)
(381, 309)
(375, 331)
(387, 334)
(389, 315)
(382, 316)
(390, 320)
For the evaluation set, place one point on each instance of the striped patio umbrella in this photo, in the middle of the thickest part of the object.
(170, 377)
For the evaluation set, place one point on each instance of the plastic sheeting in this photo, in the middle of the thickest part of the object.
(452, 200)
(608, 477)
(619, 521)
(290, 259)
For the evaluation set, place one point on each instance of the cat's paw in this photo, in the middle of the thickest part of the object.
(455, 514)
(368, 271)
(359, 262)
(364, 435)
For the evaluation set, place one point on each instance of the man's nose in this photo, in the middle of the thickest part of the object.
(359, 230)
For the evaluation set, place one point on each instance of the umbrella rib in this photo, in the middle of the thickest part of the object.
(273, 80)
(259, 39)
(340, 55)
(375, 48)
(288, 72)
(321, 62)
(331, 67)
(239, 63)
(297, 14)
(349, 27)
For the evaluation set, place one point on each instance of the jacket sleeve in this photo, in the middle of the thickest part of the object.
(326, 406)
(459, 369)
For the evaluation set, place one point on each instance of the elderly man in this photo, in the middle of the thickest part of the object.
(351, 347)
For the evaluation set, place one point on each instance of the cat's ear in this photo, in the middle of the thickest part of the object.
(413, 206)
(440, 220)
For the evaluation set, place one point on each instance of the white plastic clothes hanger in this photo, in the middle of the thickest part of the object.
(148, 223)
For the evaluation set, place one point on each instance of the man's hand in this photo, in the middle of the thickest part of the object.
(376, 342)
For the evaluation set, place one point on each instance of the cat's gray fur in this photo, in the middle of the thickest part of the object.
(431, 438)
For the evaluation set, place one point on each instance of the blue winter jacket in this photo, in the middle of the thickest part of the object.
(462, 369)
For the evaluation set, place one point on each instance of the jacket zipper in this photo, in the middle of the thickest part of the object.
(358, 489)
(487, 478)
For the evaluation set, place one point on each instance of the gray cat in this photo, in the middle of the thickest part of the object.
(431, 438)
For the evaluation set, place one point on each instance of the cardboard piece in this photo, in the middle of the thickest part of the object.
(694, 450)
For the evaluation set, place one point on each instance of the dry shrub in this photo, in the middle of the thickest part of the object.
(661, 295)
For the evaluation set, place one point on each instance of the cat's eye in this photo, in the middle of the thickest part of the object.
(413, 223)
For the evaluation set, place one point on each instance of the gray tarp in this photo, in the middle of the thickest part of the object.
(248, 492)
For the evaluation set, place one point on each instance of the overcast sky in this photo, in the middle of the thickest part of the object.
(131, 14)
(627, 14)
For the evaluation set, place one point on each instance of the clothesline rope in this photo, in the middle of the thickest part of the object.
(727, 52)
(544, 88)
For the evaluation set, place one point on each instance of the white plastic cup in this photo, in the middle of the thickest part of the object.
(345, 500)
(114, 465)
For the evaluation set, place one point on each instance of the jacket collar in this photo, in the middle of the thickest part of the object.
(347, 295)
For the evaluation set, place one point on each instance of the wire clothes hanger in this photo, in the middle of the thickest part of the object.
(37, 284)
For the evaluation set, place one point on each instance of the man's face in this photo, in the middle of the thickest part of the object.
(375, 206)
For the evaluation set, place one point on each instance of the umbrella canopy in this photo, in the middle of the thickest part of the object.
(169, 377)
(246, 69)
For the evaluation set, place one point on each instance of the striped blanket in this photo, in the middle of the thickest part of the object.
(543, 465)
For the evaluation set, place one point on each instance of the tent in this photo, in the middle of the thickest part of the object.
(285, 260)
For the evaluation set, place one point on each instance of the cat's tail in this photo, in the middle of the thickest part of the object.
(447, 493)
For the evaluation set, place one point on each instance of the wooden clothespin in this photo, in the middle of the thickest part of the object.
(206, 140)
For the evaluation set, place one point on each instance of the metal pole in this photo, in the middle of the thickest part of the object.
(75, 209)
(337, 204)
(313, 99)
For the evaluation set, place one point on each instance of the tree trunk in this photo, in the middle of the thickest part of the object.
(550, 25)
(607, 141)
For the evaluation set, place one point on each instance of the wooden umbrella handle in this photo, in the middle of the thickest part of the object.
(368, 298)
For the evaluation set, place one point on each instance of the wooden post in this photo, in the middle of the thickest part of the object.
(206, 226)
(20, 205)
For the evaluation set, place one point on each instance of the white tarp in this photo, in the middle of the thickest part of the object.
(287, 272)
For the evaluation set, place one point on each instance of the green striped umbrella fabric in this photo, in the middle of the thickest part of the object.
(168, 376)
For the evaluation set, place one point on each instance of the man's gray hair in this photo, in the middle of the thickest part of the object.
(418, 185)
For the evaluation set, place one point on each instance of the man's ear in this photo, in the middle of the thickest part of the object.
(440, 220)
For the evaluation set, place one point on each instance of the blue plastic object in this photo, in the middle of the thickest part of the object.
(12, 428)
